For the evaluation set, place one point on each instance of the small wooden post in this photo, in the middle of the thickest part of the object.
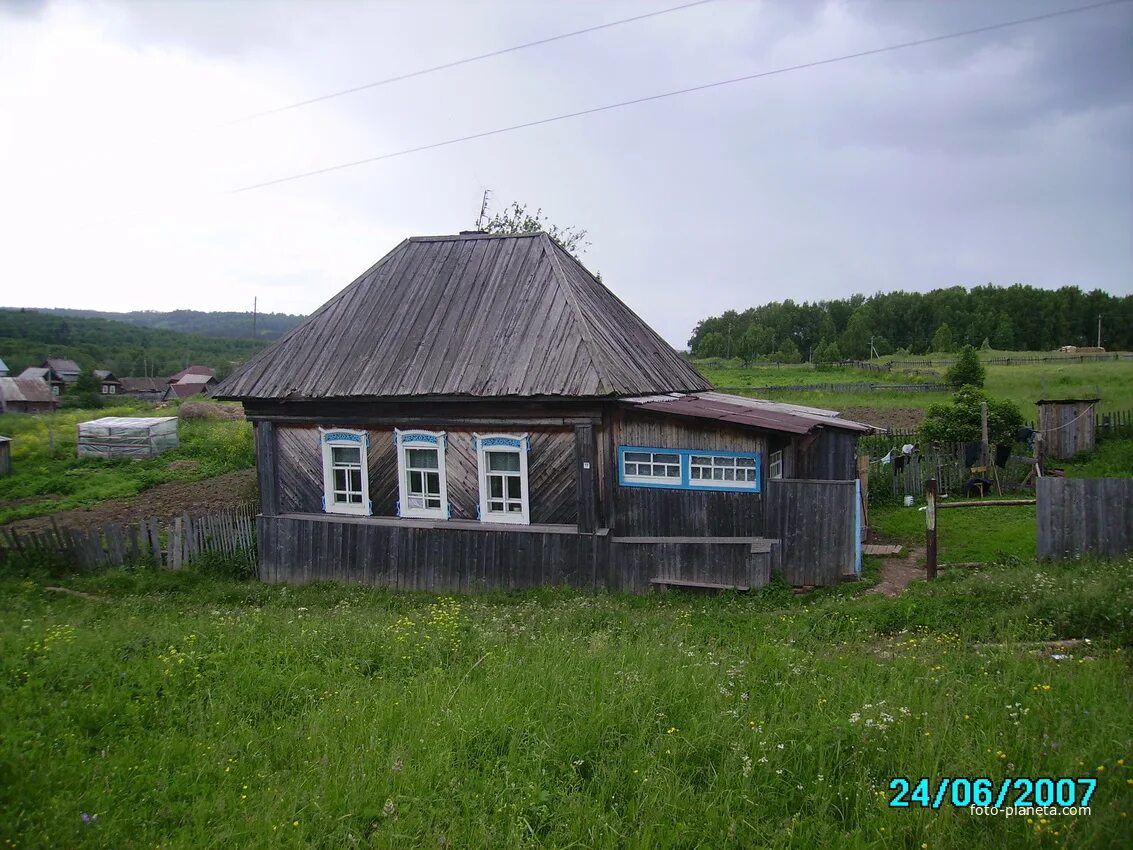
(930, 526)
(983, 435)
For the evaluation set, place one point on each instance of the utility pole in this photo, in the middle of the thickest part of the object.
(1099, 330)
(254, 304)
(930, 528)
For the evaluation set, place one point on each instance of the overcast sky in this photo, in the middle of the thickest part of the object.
(1002, 157)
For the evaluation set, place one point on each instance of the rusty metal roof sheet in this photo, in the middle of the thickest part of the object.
(751, 412)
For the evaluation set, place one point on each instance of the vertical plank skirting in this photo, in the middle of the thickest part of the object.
(267, 464)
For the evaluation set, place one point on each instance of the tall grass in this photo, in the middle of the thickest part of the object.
(185, 711)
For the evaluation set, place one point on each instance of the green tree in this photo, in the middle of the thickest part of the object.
(942, 340)
(967, 371)
(825, 354)
(712, 345)
(517, 219)
(1003, 338)
(959, 420)
(756, 342)
(855, 338)
(788, 352)
(85, 392)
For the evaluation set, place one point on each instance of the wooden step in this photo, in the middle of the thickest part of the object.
(710, 585)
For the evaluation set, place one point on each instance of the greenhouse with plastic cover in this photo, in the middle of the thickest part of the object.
(127, 436)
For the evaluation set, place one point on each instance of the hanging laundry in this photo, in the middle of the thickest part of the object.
(971, 454)
(1002, 453)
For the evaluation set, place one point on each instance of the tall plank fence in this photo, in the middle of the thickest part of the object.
(175, 544)
(1084, 516)
(818, 525)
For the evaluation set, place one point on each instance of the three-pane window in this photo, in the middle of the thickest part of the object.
(422, 485)
(346, 488)
(502, 463)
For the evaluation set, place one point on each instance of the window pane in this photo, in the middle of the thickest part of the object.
(433, 483)
(695, 473)
(513, 487)
(345, 455)
(703, 460)
(415, 483)
(495, 506)
(503, 461)
(515, 507)
(354, 498)
(729, 475)
(355, 478)
(638, 457)
(340, 479)
(745, 461)
(667, 458)
(495, 487)
(422, 458)
(432, 501)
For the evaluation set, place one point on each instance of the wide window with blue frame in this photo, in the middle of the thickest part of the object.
(689, 469)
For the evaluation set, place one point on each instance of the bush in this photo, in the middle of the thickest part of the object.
(959, 420)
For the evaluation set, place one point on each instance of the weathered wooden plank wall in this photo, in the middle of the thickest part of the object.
(1067, 429)
(423, 556)
(832, 455)
(815, 520)
(648, 511)
(465, 557)
(1080, 516)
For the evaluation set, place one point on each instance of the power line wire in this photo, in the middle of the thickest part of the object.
(689, 90)
(469, 59)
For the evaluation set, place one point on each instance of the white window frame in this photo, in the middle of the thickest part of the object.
(105, 389)
(405, 441)
(519, 444)
(651, 480)
(344, 438)
(775, 465)
(112, 389)
(727, 484)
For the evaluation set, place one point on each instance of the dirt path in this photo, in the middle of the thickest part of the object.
(896, 573)
(164, 501)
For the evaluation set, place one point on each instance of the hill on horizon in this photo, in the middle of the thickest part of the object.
(221, 324)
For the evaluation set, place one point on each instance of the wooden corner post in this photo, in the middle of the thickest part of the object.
(930, 527)
(267, 460)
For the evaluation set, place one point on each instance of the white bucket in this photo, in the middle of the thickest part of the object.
(908, 501)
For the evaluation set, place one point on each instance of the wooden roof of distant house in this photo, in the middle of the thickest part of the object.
(26, 389)
(468, 316)
(40, 373)
(144, 385)
(106, 376)
(192, 370)
(3, 366)
(63, 367)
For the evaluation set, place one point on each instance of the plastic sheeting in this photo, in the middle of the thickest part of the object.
(125, 436)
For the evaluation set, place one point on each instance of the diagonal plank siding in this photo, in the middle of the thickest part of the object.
(1078, 516)
(551, 472)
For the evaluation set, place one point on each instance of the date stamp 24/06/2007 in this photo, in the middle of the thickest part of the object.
(984, 795)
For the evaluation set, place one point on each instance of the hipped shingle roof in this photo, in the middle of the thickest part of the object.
(473, 316)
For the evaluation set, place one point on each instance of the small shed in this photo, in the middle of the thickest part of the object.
(5, 455)
(127, 436)
(1067, 426)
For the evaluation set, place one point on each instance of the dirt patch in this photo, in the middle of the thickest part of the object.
(896, 573)
(886, 417)
(164, 501)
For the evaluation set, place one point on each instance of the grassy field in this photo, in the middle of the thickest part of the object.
(963, 535)
(43, 482)
(1112, 381)
(179, 710)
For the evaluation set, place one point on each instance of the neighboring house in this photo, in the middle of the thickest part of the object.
(206, 371)
(47, 375)
(147, 389)
(480, 411)
(26, 395)
(3, 369)
(189, 385)
(67, 370)
(108, 383)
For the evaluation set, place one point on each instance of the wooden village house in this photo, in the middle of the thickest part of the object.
(480, 411)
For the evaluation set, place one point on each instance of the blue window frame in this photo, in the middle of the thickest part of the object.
(690, 469)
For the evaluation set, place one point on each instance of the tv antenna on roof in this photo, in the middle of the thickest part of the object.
(483, 209)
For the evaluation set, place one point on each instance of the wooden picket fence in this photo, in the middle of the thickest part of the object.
(229, 533)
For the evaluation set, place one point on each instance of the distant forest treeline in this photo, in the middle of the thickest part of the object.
(268, 326)
(1008, 318)
(28, 337)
